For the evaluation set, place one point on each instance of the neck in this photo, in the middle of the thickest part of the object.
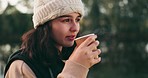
(59, 48)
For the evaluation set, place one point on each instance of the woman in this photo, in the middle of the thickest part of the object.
(56, 25)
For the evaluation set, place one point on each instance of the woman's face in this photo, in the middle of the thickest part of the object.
(65, 29)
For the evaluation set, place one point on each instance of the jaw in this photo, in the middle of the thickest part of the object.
(66, 44)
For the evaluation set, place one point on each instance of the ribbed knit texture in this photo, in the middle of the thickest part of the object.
(45, 10)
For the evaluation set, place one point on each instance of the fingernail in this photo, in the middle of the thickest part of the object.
(99, 50)
(97, 42)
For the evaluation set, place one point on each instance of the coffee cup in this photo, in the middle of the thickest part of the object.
(81, 39)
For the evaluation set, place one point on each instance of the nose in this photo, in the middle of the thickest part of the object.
(75, 26)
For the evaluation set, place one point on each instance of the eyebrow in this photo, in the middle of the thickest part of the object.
(67, 16)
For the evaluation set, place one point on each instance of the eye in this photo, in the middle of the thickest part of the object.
(66, 20)
(78, 20)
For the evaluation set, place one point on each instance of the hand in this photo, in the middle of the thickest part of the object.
(86, 54)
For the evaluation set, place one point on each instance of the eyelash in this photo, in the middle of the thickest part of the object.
(68, 20)
(78, 20)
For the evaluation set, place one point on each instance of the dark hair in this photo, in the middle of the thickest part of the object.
(38, 44)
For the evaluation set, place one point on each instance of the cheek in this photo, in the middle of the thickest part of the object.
(59, 32)
(78, 27)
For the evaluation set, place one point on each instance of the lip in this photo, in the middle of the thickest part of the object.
(71, 37)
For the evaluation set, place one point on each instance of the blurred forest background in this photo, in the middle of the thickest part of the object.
(121, 26)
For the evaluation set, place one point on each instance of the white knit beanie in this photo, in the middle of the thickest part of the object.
(45, 10)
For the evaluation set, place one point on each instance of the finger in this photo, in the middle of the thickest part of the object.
(93, 46)
(96, 57)
(95, 61)
(89, 40)
(96, 54)
(93, 54)
(99, 51)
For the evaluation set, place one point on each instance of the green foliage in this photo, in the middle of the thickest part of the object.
(122, 27)
(13, 26)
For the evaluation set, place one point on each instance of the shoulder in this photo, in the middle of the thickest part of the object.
(21, 69)
(20, 65)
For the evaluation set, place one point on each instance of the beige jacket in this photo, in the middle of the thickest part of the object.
(19, 69)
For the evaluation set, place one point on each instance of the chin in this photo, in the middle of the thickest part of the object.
(69, 44)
